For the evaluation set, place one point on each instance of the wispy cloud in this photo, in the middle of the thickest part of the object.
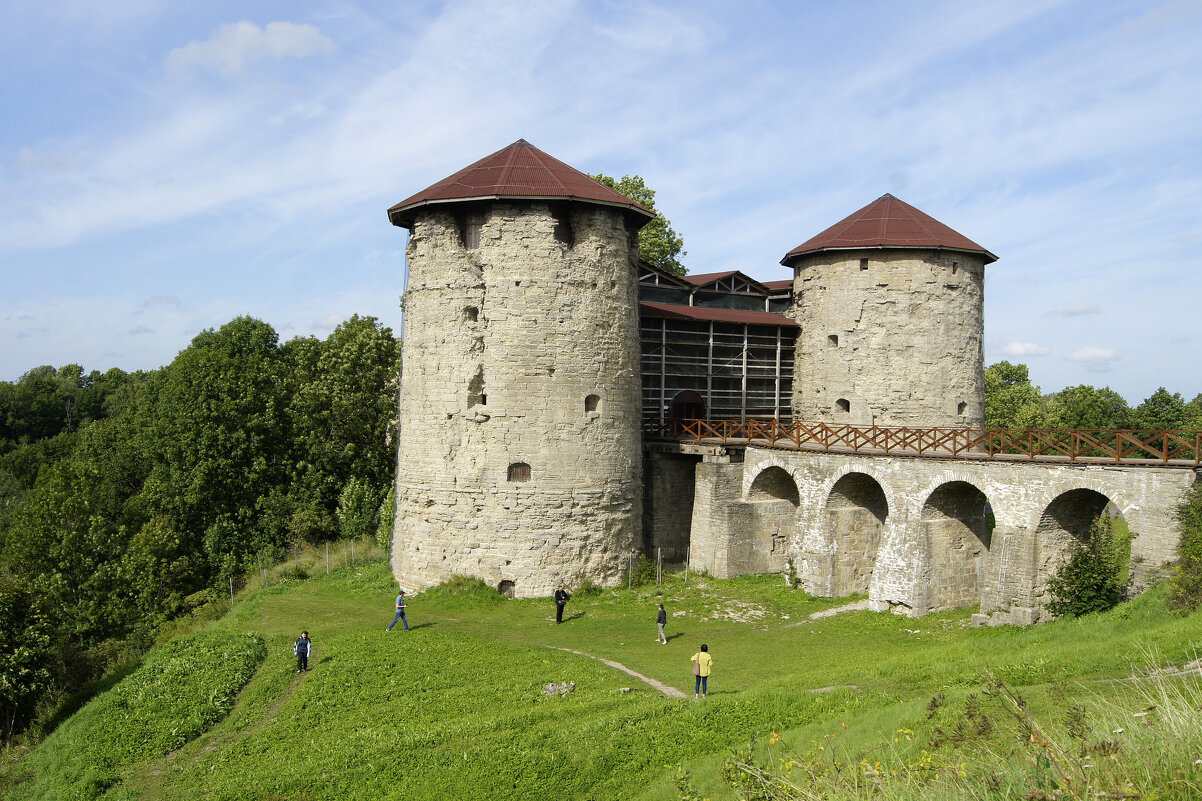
(1024, 349)
(235, 45)
(1078, 309)
(1094, 359)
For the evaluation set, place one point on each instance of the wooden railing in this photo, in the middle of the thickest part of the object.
(1129, 447)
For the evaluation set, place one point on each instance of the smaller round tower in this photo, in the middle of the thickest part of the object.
(891, 307)
(520, 456)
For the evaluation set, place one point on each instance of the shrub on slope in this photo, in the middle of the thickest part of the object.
(181, 689)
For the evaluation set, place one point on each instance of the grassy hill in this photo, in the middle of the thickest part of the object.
(455, 708)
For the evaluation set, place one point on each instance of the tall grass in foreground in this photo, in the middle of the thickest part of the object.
(1141, 742)
(180, 690)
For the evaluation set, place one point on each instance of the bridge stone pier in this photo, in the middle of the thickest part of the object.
(916, 533)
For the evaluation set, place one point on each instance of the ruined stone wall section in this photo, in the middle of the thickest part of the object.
(504, 345)
(896, 334)
(925, 562)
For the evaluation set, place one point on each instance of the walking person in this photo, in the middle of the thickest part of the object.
(661, 620)
(301, 648)
(701, 670)
(400, 612)
(561, 600)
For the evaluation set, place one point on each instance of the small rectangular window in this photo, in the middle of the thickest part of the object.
(469, 230)
(863, 264)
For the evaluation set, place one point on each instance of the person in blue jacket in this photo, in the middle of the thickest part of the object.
(400, 612)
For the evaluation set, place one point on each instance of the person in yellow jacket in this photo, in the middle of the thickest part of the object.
(701, 670)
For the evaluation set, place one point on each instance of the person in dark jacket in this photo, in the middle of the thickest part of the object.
(661, 620)
(561, 600)
(301, 648)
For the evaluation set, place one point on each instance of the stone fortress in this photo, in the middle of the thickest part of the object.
(541, 357)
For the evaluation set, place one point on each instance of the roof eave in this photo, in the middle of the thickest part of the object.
(402, 216)
(792, 257)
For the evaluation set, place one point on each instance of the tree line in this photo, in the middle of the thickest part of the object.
(123, 496)
(1011, 401)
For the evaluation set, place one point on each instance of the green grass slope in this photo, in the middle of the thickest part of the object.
(455, 708)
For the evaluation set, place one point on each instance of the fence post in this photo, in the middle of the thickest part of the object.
(629, 571)
(231, 590)
(659, 565)
(327, 558)
(688, 554)
(352, 553)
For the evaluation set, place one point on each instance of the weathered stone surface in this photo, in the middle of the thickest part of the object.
(914, 532)
(896, 334)
(521, 356)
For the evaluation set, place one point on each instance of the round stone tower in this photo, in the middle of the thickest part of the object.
(520, 457)
(891, 307)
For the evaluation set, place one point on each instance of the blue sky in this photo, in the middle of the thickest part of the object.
(167, 166)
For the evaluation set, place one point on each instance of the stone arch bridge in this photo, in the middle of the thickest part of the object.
(918, 529)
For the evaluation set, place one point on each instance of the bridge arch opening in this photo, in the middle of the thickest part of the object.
(774, 484)
(1065, 522)
(957, 531)
(855, 513)
(772, 505)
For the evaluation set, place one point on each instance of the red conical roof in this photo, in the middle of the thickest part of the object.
(888, 223)
(520, 171)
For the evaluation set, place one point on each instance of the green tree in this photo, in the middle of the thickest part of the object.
(386, 519)
(70, 531)
(659, 244)
(1185, 585)
(1092, 578)
(342, 416)
(1084, 406)
(215, 421)
(1193, 414)
(26, 652)
(1163, 410)
(158, 570)
(1010, 399)
(357, 507)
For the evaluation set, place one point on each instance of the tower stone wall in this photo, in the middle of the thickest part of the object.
(520, 457)
(890, 337)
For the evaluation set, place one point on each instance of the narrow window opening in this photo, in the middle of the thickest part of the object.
(592, 403)
(519, 472)
(863, 264)
(475, 389)
(564, 234)
(843, 405)
(961, 407)
(832, 341)
(955, 266)
(469, 229)
(471, 314)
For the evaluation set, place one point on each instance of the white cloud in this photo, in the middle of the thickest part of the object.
(1094, 359)
(1079, 308)
(1025, 349)
(235, 45)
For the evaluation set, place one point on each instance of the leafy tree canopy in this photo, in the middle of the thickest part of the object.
(658, 243)
(1163, 409)
(1084, 406)
(1010, 399)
